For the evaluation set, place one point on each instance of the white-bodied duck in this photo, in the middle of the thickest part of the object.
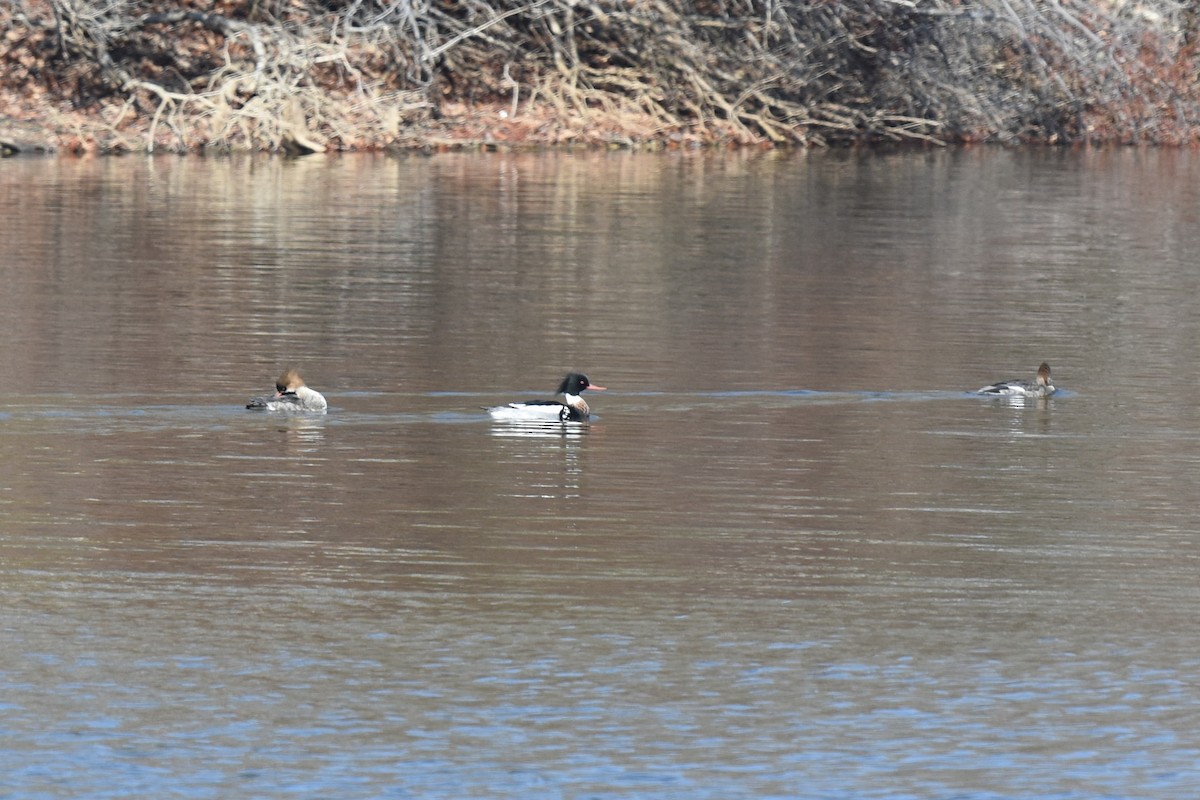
(572, 408)
(291, 395)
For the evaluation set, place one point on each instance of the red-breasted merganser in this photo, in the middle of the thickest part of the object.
(291, 395)
(1041, 387)
(571, 408)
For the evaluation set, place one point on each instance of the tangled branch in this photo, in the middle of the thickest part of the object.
(373, 72)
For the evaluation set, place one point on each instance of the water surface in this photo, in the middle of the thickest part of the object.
(792, 556)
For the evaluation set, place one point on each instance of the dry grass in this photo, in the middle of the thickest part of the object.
(295, 74)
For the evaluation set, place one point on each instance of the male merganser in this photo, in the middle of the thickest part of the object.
(571, 408)
(1038, 388)
(291, 395)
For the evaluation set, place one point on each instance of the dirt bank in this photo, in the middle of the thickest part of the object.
(301, 75)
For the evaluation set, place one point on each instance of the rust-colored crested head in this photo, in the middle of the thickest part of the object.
(289, 381)
(1043, 375)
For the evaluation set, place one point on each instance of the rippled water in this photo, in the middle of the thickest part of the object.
(792, 556)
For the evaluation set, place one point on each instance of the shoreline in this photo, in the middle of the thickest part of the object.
(482, 128)
(302, 78)
(457, 126)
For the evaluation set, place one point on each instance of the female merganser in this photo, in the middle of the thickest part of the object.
(1039, 388)
(291, 395)
(571, 408)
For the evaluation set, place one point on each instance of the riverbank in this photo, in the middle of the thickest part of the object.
(150, 76)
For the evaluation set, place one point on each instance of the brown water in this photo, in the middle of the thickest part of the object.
(791, 557)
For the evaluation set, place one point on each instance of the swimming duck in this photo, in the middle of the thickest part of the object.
(572, 408)
(1039, 387)
(291, 395)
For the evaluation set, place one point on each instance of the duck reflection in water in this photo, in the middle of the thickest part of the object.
(304, 433)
